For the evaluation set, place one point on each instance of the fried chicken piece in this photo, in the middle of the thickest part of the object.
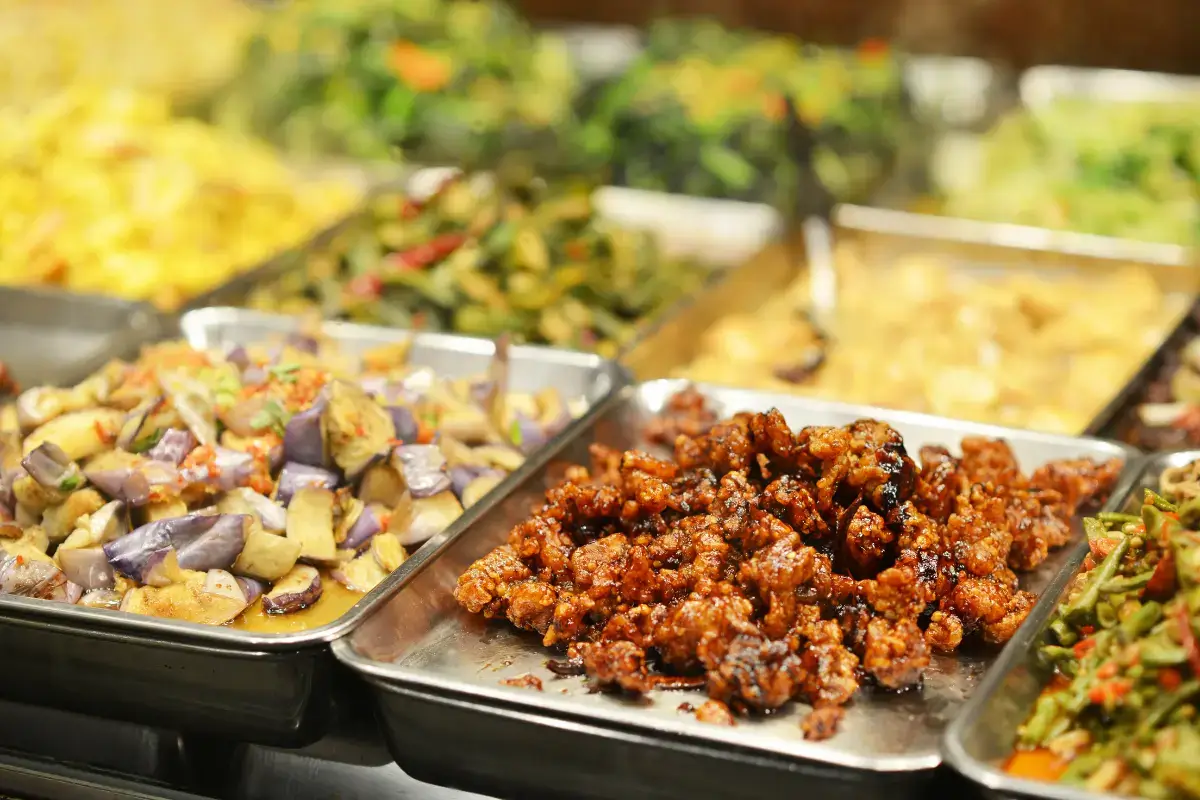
(541, 542)
(867, 539)
(485, 587)
(775, 573)
(996, 609)
(714, 712)
(917, 530)
(822, 723)
(711, 551)
(756, 673)
(771, 435)
(898, 592)
(531, 605)
(698, 631)
(615, 665)
(831, 671)
(941, 480)
(793, 503)
(895, 653)
(687, 413)
(945, 632)
(991, 461)
(606, 464)
(977, 531)
(732, 504)
(695, 492)
(1077, 480)
(636, 625)
(1015, 612)
(599, 567)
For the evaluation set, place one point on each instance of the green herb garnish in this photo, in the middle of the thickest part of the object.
(272, 416)
(142, 445)
(514, 433)
(70, 483)
(284, 373)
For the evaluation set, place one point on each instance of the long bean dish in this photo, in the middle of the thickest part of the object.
(1021, 350)
(537, 262)
(767, 565)
(263, 487)
(1119, 714)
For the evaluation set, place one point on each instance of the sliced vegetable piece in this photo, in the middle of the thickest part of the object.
(295, 591)
(362, 574)
(415, 520)
(358, 428)
(266, 557)
(388, 551)
(304, 437)
(80, 434)
(185, 600)
(295, 477)
(29, 578)
(310, 523)
(86, 566)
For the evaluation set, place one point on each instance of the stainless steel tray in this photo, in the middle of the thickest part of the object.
(257, 687)
(983, 735)
(436, 670)
(978, 248)
(54, 337)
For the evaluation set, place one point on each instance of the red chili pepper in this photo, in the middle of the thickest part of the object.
(576, 250)
(410, 209)
(1084, 647)
(365, 287)
(1187, 638)
(103, 434)
(1107, 670)
(1162, 581)
(423, 255)
(1087, 630)
(1169, 678)
(873, 48)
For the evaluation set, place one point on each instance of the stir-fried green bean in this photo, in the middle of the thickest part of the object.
(530, 260)
(1120, 714)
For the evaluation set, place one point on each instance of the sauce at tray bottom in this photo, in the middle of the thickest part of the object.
(335, 600)
(1039, 765)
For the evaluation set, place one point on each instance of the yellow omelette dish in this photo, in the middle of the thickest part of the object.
(104, 191)
(1015, 349)
(180, 47)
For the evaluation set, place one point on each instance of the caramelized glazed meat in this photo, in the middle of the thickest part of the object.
(769, 565)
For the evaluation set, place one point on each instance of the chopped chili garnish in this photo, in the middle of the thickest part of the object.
(1161, 585)
(423, 255)
(20, 560)
(261, 483)
(873, 49)
(365, 287)
(1087, 630)
(1083, 647)
(1169, 678)
(576, 250)
(103, 434)
(1110, 691)
(1107, 670)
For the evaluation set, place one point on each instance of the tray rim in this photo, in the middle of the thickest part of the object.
(423, 682)
(103, 623)
(1016, 652)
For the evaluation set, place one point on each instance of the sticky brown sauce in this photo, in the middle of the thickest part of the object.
(334, 602)
(1038, 765)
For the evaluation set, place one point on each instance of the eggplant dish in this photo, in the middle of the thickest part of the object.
(1119, 713)
(767, 565)
(533, 261)
(265, 483)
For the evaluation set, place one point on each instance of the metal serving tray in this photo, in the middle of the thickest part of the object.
(436, 670)
(268, 688)
(54, 337)
(982, 737)
(979, 248)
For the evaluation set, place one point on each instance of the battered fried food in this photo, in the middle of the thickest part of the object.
(769, 565)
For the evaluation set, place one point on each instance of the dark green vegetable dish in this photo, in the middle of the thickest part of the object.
(445, 81)
(1120, 714)
(702, 111)
(534, 261)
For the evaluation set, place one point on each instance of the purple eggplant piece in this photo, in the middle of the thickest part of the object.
(218, 581)
(131, 428)
(423, 467)
(405, 422)
(238, 356)
(295, 477)
(127, 484)
(529, 434)
(173, 447)
(215, 548)
(462, 475)
(74, 593)
(143, 549)
(365, 527)
(88, 567)
(26, 577)
(275, 459)
(229, 470)
(303, 343)
(295, 591)
(52, 468)
(252, 589)
(303, 439)
(272, 515)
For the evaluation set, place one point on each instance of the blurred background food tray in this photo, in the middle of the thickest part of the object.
(54, 337)
(272, 688)
(973, 320)
(439, 674)
(983, 737)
